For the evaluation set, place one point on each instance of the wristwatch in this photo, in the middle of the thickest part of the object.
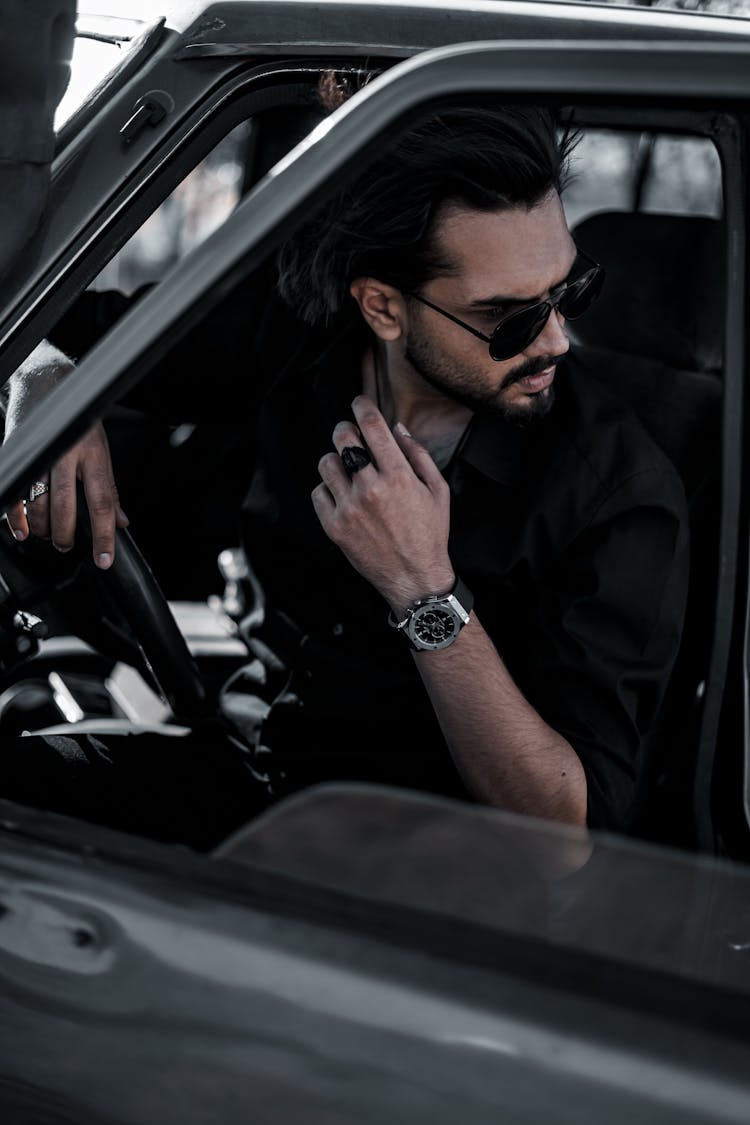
(434, 622)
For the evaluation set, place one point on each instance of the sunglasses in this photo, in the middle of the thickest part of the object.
(515, 331)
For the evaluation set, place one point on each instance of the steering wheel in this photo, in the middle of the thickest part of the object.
(120, 611)
(131, 594)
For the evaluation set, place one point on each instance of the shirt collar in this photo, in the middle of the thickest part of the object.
(493, 446)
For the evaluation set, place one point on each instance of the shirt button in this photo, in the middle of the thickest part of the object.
(338, 629)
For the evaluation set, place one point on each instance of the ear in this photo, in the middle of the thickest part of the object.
(382, 306)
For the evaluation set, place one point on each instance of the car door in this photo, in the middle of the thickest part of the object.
(315, 961)
(592, 73)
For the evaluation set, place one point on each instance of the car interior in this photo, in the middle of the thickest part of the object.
(656, 338)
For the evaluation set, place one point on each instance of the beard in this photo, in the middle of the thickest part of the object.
(465, 385)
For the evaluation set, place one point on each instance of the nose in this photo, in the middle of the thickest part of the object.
(552, 340)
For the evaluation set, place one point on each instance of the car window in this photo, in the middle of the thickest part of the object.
(196, 207)
(612, 171)
(599, 167)
(632, 171)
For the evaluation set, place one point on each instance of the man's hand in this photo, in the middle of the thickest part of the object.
(392, 518)
(53, 515)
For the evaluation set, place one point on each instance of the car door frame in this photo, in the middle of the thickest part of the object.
(712, 77)
(101, 185)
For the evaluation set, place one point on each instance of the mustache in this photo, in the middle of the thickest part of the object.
(530, 367)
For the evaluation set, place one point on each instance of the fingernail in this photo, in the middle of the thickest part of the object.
(18, 534)
(401, 430)
(61, 549)
(104, 560)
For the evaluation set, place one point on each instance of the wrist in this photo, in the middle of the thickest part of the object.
(434, 622)
(410, 591)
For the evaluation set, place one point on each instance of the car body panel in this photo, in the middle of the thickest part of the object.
(293, 988)
(360, 27)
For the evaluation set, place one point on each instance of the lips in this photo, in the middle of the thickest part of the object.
(533, 384)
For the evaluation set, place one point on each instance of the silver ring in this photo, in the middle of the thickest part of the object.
(38, 488)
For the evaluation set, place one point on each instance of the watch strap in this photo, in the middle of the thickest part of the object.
(463, 596)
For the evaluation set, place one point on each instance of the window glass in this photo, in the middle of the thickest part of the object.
(684, 176)
(601, 171)
(617, 171)
(196, 207)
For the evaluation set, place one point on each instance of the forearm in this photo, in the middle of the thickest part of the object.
(505, 752)
(391, 519)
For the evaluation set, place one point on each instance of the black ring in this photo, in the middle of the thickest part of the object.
(354, 458)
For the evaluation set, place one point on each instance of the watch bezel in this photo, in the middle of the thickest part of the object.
(457, 604)
(448, 606)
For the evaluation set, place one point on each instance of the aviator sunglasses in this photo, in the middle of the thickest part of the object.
(517, 329)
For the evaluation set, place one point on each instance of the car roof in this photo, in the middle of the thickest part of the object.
(231, 26)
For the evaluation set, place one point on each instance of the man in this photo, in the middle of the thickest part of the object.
(36, 46)
(485, 597)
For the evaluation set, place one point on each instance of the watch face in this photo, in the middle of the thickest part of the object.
(434, 626)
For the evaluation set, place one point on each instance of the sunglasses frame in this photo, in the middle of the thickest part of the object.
(594, 273)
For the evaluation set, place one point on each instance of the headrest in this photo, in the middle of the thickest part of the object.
(664, 293)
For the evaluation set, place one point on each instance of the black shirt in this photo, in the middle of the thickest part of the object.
(571, 532)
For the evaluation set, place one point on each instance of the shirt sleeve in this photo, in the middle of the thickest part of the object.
(607, 632)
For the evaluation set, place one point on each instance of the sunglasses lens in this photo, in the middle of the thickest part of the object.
(518, 330)
(580, 296)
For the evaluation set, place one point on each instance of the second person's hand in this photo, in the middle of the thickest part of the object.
(53, 514)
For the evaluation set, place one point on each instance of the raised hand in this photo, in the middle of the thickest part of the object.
(391, 517)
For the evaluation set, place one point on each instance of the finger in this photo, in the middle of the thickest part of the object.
(37, 513)
(17, 522)
(334, 477)
(323, 503)
(121, 520)
(420, 459)
(347, 436)
(355, 456)
(101, 500)
(62, 506)
(377, 436)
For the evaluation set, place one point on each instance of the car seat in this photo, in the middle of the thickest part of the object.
(655, 339)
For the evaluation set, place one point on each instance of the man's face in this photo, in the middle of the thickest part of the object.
(503, 259)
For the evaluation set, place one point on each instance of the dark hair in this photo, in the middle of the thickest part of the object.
(382, 225)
